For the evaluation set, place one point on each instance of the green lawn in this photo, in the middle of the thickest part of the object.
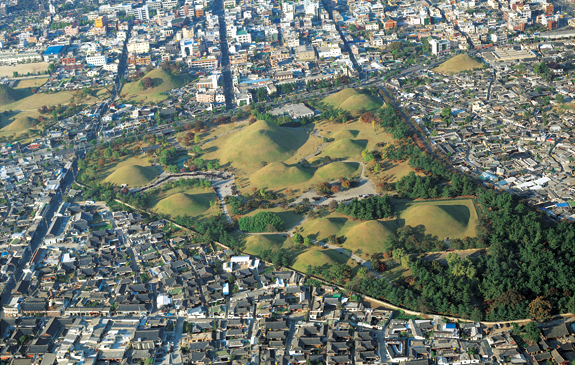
(181, 201)
(445, 218)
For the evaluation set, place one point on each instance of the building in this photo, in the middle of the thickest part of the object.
(139, 47)
(53, 53)
(96, 61)
(101, 22)
(439, 46)
(389, 23)
(205, 62)
(7, 58)
(140, 13)
(242, 36)
(305, 53)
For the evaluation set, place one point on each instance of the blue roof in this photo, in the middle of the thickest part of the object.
(53, 50)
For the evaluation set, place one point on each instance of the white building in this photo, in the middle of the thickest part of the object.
(439, 46)
(97, 61)
(138, 47)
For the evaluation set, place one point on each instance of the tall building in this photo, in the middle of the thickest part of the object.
(439, 46)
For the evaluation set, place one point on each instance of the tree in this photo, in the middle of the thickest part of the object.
(340, 271)
(307, 241)
(532, 332)
(297, 238)
(559, 98)
(323, 188)
(362, 271)
(476, 315)
(446, 112)
(540, 309)
(15, 74)
(260, 222)
(147, 83)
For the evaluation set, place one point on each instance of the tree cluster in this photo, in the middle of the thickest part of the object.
(261, 222)
(375, 207)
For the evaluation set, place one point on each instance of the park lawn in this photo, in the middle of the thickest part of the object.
(452, 218)
(181, 201)
(29, 83)
(290, 218)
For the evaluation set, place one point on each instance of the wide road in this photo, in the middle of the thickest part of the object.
(226, 72)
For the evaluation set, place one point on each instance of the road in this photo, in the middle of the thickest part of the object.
(225, 66)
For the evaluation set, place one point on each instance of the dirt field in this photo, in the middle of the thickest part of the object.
(23, 69)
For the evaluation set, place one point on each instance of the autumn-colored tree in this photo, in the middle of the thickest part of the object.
(234, 119)
(346, 184)
(367, 117)
(147, 83)
(335, 188)
(540, 309)
(101, 162)
(252, 119)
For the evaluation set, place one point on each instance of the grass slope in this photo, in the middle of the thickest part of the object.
(335, 170)
(317, 256)
(279, 175)
(289, 217)
(9, 95)
(345, 148)
(20, 124)
(361, 238)
(255, 244)
(367, 237)
(185, 203)
(459, 64)
(352, 99)
(452, 219)
(163, 81)
(259, 142)
(133, 175)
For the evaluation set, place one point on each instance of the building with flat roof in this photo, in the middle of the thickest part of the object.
(511, 55)
(53, 53)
